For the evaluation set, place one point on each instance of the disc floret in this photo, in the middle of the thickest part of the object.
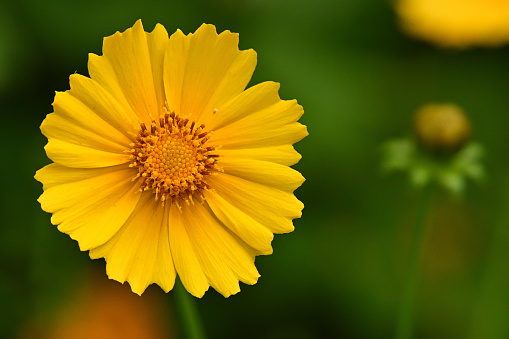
(173, 158)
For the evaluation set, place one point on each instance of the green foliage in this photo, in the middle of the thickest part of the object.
(450, 171)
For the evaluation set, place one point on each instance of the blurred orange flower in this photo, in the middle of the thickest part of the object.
(103, 310)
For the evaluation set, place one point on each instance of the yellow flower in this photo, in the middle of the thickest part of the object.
(165, 164)
(456, 23)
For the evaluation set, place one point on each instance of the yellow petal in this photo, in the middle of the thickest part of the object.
(128, 69)
(88, 105)
(225, 259)
(263, 172)
(164, 269)
(55, 177)
(282, 154)
(186, 263)
(101, 223)
(102, 72)
(272, 126)
(175, 60)
(248, 102)
(72, 155)
(54, 174)
(139, 252)
(62, 128)
(96, 103)
(271, 207)
(204, 70)
(249, 230)
(157, 43)
(90, 207)
(89, 108)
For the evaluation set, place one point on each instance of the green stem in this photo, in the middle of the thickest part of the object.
(406, 310)
(188, 314)
(492, 305)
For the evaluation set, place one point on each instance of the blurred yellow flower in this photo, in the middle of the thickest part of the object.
(456, 23)
(165, 164)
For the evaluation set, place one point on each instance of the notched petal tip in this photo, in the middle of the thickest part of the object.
(230, 293)
(301, 132)
(212, 29)
(74, 80)
(255, 279)
(138, 289)
(138, 23)
(38, 175)
(197, 293)
(305, 131)
(205, 26)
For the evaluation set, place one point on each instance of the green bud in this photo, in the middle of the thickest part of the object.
(441, 128)
(441, 151)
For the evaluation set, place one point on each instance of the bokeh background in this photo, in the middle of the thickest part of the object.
(340, 274)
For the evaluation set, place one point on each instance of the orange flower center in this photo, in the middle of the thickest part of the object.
(172, 158)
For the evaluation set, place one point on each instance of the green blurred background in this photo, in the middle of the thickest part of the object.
(340, 274)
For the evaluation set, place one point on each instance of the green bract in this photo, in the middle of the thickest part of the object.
(450, 171)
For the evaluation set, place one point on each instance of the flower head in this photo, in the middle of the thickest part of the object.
(164, 164)
(456, 23)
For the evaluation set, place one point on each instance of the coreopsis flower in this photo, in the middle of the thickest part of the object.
(164, 164)
(456, 23)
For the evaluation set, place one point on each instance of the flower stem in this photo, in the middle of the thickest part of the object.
(492, 304)
(187, 313)
(407, 305)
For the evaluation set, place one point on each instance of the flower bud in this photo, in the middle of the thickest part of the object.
(441, 128)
